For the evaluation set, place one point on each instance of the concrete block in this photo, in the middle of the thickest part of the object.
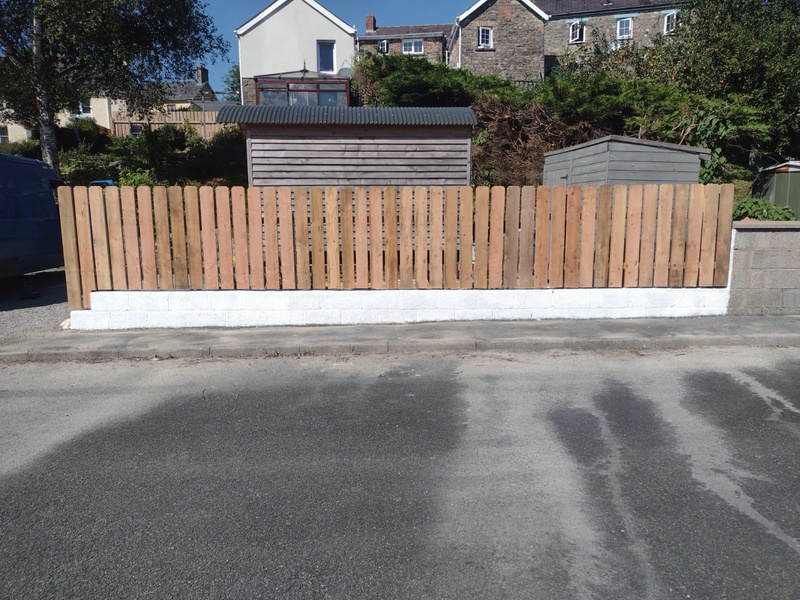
(419, 299)
(478, 314)
(791, 299)
(382, 299)
(430, 315)
(396, 315)
(167, 319)
(149, 301)
(245, 318)
(283, 317)
(344, 299)
(268, 300)
(745, 240)
(534, 299)
(609, 298)
(458, 299)
(192, 300)
(783, 279)
(206, 318)
(228, 299)
(742, 259)
(110, 301)
(322, 317)
(741, 279)
(128, 320)
(496, 299)
(786, 240)
(88, 320)
(776, 259)
(755, 300)
(572, 298)
(361, 317)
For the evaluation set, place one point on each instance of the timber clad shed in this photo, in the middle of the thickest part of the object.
(622, 160)
(360, 146)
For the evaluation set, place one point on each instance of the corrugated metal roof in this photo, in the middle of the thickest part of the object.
(335, 115)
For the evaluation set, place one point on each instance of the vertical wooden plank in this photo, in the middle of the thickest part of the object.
(527, 222)
(272, 250)
(224, 238)
(616, 259)
(301, 238)
(588, 223)
(648, 246)
(572, 245)
(376, 238)
(130, 236)
(193, 245)
(208, 224)
(558, 232)
(286, 224)
(255, 242)
(102, 261)
(511, 241)
(148, 241)
(633, 236)
(119, 279)
(451, 238)
(481, 237)
(661, 274)
(694, 232)
(85, 252)
(708, 243)
(163, 251)
(724, 223)
(348, 248)
(437, 240)
(541, 240)
(496, 224)
(465, 250)
(390, 225)
(332, 226)
(241, 260)
(602, 247)
(421, 237)
(362, 244)
(180, 265)
(406, 238)
(677, 253)
(69, 241)
(317, 240)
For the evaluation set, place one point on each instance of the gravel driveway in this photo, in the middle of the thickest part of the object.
(20, 313)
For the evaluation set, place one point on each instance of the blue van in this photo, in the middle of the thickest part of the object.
(30, 232)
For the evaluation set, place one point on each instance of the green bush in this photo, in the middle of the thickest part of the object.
(137, 177)
(761, 209)
(79, 165)
(27, 148)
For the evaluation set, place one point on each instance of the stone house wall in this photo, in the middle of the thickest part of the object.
(249, 91)
(432, 48)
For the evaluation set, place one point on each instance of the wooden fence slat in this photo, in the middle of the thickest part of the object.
(390, 266)
(241, 260)
(302, 265)
(526, 227)
(163, 251)
(376, 238)
(362, 244)
(255, 241)
(648, 246)
(147, 238)
(180, 264)
(694, 232)
(317, 240)
(69, 240)
(724, 223)
(332, 227)
(116, 246)
(677, 253)
(208, 235)
(616, 258)
(224, 237)
(661, 274)
(465, 247)
(406, 232)
(451, 238)
(437, 233)
(102, 261)
(558, 231)
(602, 247)
(572, 245)
(130, 236)
(421, 237)
(588, 223)
(511, 245)
(193, 244)
(348, 248)
(542, 237)
(633, 236)
(272, 249)
(85, 252)
(496, 225)
(481, 237)
(708, 241)
(286, 225)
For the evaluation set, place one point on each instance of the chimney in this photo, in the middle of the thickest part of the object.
(202, 74)
(371, 23)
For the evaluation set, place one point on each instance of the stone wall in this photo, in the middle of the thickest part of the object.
(249, 91)
(432, 48)
(765, 278)
(556, 33)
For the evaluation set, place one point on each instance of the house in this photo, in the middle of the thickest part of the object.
(301, 88)
(290, 36)
(523, 39)
(429, 41)
(181, 95)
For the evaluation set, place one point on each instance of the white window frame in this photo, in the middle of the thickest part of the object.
(83, 109)
(320, 44)
(383, 47)
(4, 137)
(669, 28)
(629, 35)
(577, 27)
(412, 44)
(481, 31)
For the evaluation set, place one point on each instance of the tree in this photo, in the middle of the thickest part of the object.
(52, 54)
(233, 83)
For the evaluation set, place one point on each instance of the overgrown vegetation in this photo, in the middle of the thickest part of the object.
(761, 209)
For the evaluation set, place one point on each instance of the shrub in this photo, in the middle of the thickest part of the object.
(761, 209)
(27, 148)
(79, 166)
(137, 177)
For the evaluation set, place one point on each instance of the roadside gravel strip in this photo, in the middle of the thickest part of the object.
(22, 313)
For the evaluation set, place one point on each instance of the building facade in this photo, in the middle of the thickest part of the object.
(429, 41)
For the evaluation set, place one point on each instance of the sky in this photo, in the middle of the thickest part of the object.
(228, 15)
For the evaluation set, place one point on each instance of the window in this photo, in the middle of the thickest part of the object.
(303, 93)
(383, 47)
(325, 57)
(625, 28)
(3, 134)
(577, 33)
(484, 37)
(171, 108)
(412, 47)
(670, 21)
(83, 107)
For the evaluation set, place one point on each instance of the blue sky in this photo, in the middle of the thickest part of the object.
(228, 15)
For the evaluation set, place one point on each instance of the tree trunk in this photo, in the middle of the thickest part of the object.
(47, 132)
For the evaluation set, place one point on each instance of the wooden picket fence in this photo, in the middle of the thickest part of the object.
(203, 122)
(380, 238)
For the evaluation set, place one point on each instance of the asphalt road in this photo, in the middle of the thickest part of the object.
(554, 475)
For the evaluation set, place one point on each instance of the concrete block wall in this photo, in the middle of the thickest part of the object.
(765, 274)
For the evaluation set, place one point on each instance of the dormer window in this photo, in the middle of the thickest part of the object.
(624, 28)
(577, 33)
(383, 47)
(485, 37)
(670, 22)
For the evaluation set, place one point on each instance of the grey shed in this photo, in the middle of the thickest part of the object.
(622, 160)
